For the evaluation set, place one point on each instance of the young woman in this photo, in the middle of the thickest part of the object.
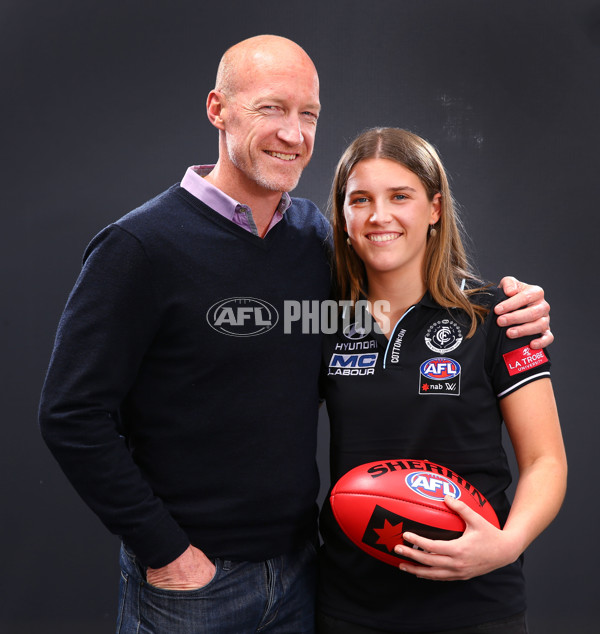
(398, 246)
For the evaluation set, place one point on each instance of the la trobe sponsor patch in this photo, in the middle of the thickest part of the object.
(523, 359)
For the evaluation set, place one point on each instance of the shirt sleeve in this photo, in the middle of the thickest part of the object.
(109, 321)
(512, 363)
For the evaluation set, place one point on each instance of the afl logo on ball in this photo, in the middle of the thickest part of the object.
(242, 317)
(443, 336)
(432, 486)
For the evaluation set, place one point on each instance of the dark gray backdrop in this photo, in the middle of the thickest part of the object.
(103, 107)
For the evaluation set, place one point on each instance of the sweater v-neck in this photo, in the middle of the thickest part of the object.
(228, 225)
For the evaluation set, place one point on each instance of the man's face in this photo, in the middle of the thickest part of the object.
(270, 123)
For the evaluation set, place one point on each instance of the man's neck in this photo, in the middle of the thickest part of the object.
(262, 202)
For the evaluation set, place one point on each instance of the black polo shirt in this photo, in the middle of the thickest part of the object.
(426, 393)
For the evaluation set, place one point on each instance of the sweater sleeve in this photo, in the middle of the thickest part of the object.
(110, 320)
(511, 363)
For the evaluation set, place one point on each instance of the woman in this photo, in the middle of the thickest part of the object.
(398, 246)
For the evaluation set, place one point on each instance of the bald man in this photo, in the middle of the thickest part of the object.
(178, 402)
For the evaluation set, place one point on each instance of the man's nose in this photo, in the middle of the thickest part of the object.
(291, 131)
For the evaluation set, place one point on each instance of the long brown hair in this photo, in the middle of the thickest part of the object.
(446, 264)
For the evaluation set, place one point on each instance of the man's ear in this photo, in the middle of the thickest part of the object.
(215, 103)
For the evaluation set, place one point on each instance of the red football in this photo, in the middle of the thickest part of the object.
(375, 503)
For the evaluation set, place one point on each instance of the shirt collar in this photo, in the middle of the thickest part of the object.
(427, 300)
(195, 183)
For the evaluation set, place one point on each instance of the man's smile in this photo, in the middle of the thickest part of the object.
(281, 155)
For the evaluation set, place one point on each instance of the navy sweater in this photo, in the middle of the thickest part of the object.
(172, 431)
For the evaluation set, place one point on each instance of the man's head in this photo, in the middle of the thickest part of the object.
(265, 105)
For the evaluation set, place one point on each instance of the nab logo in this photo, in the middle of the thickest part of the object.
(242, 317)
(440, 368)
(432, 486)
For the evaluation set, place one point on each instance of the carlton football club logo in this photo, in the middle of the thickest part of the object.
(443, 336)
(242, 317)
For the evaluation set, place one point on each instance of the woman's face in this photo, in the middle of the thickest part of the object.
(387, 216)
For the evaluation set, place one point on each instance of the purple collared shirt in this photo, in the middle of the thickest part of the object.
(197, 186)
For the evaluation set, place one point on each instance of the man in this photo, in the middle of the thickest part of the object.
(191, 439)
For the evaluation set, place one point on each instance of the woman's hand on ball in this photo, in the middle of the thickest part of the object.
(481, 549)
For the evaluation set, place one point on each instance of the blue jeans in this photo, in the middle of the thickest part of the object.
(275, 596)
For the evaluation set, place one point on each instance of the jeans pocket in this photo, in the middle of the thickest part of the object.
(218, 567)
(181, 611)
